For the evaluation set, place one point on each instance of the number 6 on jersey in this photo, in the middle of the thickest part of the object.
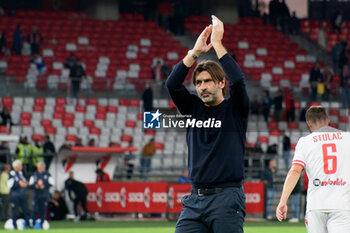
(329, 159)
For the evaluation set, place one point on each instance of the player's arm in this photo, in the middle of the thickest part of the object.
(177, 91)
(233, 72)
(289, 184)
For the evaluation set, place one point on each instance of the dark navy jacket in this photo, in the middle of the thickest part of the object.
(215, 155)
(46, 179)
(13, 183)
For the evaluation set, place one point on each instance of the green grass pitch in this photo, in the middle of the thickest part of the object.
(159, 227)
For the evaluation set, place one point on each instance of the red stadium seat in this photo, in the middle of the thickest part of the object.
(112, 109)
(80, 108)
(130, 124)
(101, 116)
(50, 130)
(4, 129)
(159, 145)
(38, 108)
(71, 138)
(37, 137)
(95, 131)
(89, 123)
(125, 138)
(45, 122)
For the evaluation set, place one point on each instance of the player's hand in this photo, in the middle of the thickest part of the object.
(201, 45)
(218, 30)
(281, 211)
(23, 184)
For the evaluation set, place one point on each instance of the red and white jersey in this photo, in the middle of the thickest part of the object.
(325, 156)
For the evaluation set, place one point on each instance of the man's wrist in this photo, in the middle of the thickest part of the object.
(193, 53)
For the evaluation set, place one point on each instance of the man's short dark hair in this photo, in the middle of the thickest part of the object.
(315, 114)
(215, 71)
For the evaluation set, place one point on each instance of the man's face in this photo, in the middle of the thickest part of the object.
(40, 168)
(207, 89)
(18, 168)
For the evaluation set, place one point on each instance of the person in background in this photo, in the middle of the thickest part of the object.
(39, 63)
(268, 176)
(40, 181)
(76, 75)
(91, 142)
(147, 98)
(17, 184)
(23, 151)
(289, 100)
(294, 24)
(36, 155)
(78, 194)
(129, 161)
(345, 86)
(278, 103)
(315, 77)
(255, 106)
(337, 21)
(3, 45)
(266, 105)
(327, 81)
(295, 200)
(71, 61)
(35, 39)
(336, 50)
(102, 176)
(6, 118)
(5, 192)
(57, 207)
(5, 156)
(286, 149)
(18, 39)
(79, 142)
(184, 177)
(49, 150)
(147, 152)
(322, 37)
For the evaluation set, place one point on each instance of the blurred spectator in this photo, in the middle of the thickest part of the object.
(147, 152)
(3, 45)
(278, 103)
(289, 101)
(102, 176)
(255, 106)
(35, 39)
(295, 200)
(79, 142)
(17, 184)
(345, 85)
(6, 118)
(129, 161)
(337, 21)
(77, 193)
(315, 77)
(5, 192)
(147, 98)
(40, 181)
(284, 16)
(71, 61)
(37, 154)
(294, 24)
(272, 150)
(336, 50)
(257, 150)
(180, 13)
(273, 11)
(327, 81)
(268, 177)
(286, 149)
(322, 37)
(49, 150)
(302, 113)
(76, 74)
(39, 63)
(344, 55)
(184, 177)
(18, 39)
(266, 105)
(4, 153)
(91, 142)
(157, 70)
(57, 207)
(65, 146)
(165, 11)
(23, 151)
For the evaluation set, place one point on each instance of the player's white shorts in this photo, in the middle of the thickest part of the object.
(327, 222)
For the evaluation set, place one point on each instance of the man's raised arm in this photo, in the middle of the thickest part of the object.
(177, 91)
